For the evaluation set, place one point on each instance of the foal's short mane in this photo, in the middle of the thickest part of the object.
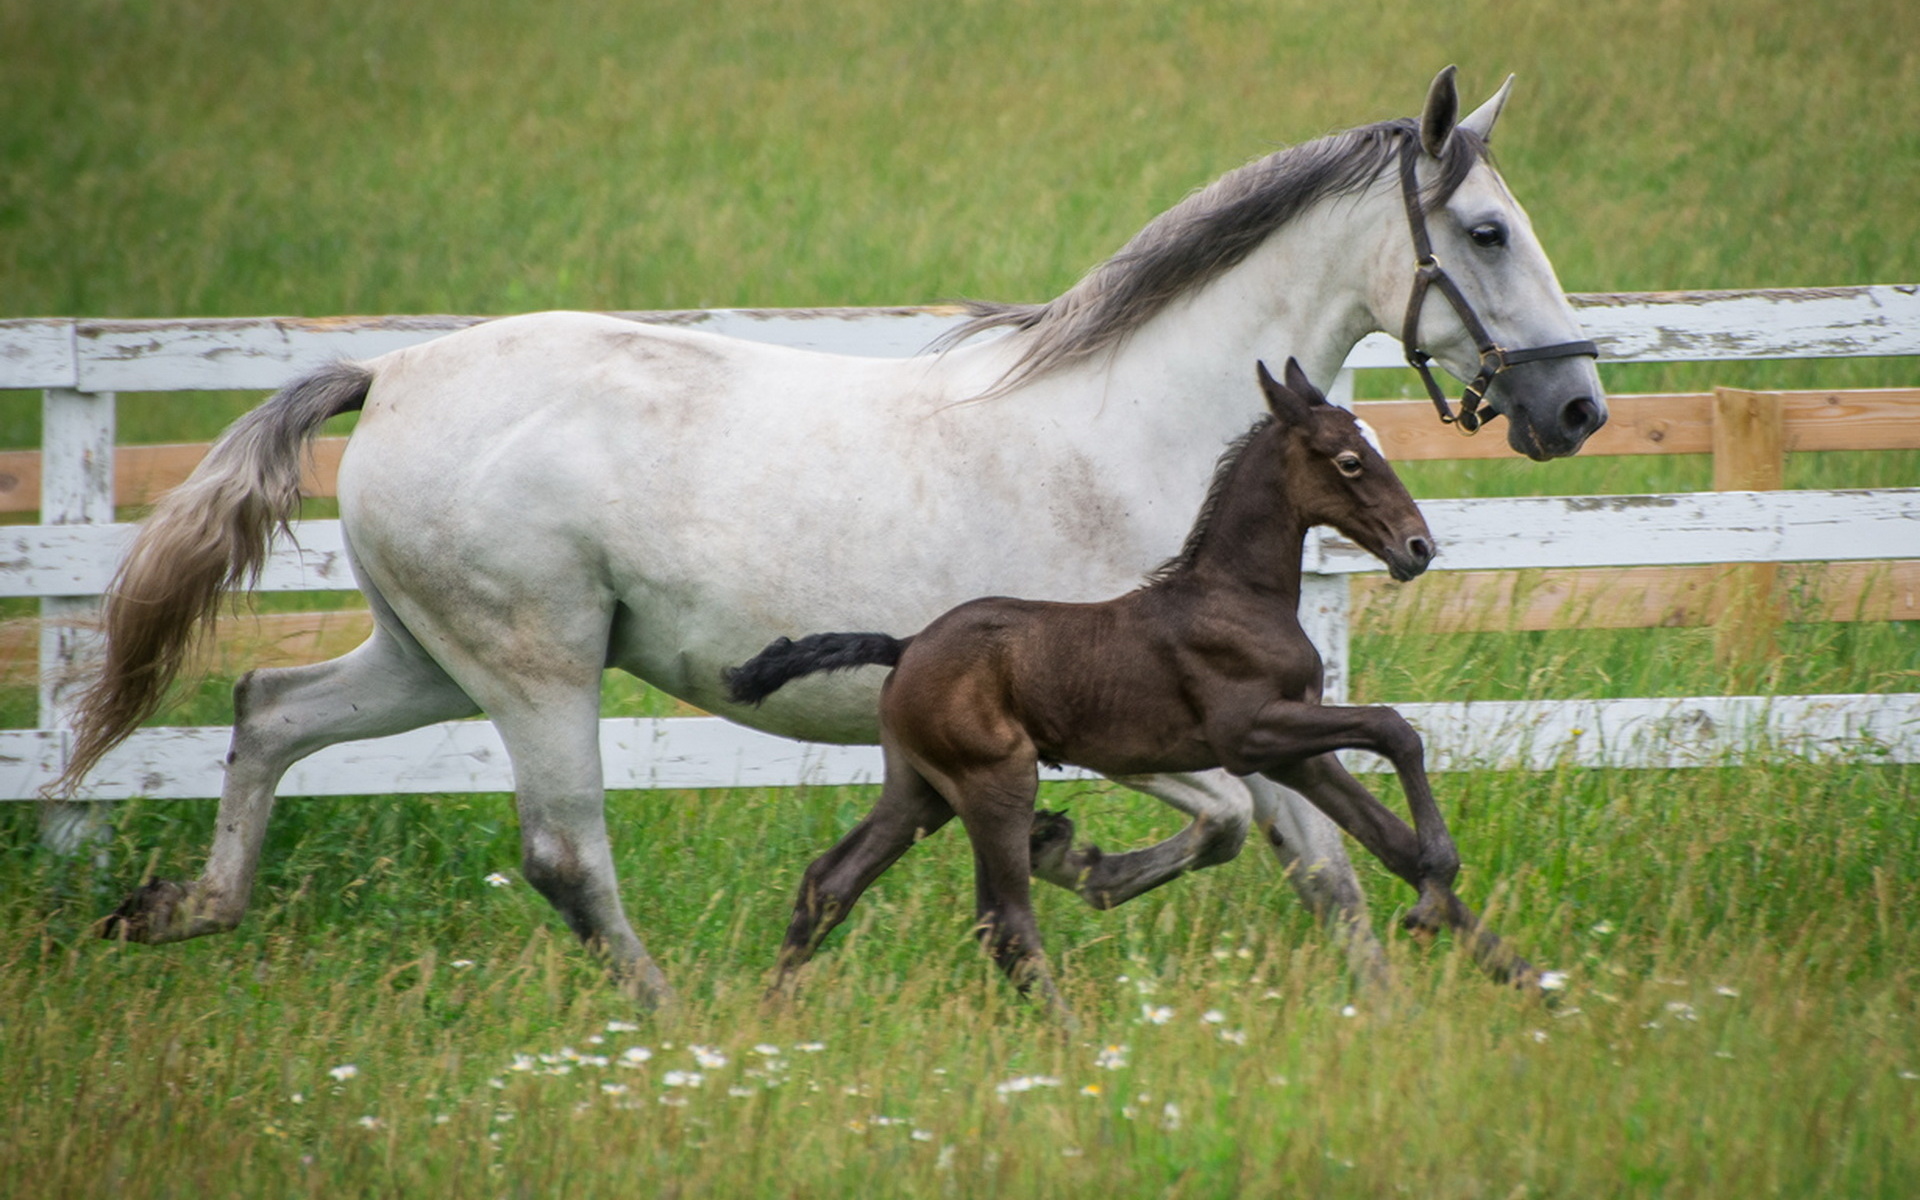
(1209, 232)
(1222, 476)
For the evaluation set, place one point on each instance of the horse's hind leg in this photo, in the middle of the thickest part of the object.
(385, 686)
(552, 733)
(908, 809)
(1221, 812)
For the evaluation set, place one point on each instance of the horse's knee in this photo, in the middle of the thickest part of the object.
(1222, 835)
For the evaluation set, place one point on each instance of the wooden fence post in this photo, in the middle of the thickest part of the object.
(1749, 455)
(76, 488)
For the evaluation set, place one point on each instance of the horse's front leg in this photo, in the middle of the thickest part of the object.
(280, 717)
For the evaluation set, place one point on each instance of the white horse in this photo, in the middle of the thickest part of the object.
(532, 500)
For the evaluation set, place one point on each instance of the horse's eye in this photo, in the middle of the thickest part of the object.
(1349, 464)
(1491, 233)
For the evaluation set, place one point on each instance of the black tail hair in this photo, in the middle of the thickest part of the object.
(768, 671)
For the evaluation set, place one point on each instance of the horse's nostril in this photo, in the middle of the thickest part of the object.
(1420, 549)
(1581, 415)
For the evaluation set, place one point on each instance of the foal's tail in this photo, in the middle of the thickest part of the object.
(768, 671)
(204, 537)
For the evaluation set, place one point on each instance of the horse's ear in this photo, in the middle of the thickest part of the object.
(1481, 119)
(1282, 399)
(1443, 107)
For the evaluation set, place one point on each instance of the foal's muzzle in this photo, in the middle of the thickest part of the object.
(1412, 557)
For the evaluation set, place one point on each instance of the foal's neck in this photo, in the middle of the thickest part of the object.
(1249, 535)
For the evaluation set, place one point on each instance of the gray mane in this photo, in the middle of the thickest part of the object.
(1211, 231)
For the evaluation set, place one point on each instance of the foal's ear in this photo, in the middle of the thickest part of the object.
(1290, 401)
(1443, 108)
(1298, 381)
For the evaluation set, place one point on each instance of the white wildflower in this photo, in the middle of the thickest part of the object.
(622, 1027)
(368, 1122)
(1025, 1083)
(1553, 981)
(1213, 1016)
(1155, 1014)
(708, 1058)
(633, 1056)
(497, 880)
(688, 1079)
(1112, 1057)
(344, 1072)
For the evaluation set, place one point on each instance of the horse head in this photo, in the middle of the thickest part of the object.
(1504, 325)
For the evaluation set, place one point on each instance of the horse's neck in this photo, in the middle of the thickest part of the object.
(1310, 291)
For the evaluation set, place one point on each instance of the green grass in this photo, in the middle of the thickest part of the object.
(208, 157)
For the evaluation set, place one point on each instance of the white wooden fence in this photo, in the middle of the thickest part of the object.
(66, 561)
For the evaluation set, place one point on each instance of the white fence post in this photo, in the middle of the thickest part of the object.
(76, 488)
(1323, 614)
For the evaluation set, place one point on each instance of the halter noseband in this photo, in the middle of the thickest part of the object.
(1429, 273)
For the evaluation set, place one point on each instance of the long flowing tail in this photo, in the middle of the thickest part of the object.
(207, 536)
(768, 671)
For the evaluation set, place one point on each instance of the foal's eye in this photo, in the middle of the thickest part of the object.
(1490, 233)
(1349, 464)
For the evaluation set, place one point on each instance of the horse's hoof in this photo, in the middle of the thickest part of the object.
(147, 915)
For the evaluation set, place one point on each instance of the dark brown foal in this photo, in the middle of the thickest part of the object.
(1204, 666)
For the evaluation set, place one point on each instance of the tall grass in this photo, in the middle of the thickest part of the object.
(1740, 1016)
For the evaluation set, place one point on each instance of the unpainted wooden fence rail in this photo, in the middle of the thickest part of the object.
(67, 559)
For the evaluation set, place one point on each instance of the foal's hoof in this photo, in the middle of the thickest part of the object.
(148, 915)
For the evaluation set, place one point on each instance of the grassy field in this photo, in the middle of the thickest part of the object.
(1740, 1015)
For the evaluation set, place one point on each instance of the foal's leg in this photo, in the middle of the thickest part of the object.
(385, 686)
(1221, 810)
(1347, 801)
(1295, 741)
(908, 809)
(996, 805)
(1222, 807)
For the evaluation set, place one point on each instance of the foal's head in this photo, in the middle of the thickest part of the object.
(1336, 477)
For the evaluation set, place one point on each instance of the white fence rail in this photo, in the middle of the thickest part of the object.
(67, 560)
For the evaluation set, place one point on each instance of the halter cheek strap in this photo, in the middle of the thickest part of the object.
(1428, 273)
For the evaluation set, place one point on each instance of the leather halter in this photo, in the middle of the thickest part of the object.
(1429, 273)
